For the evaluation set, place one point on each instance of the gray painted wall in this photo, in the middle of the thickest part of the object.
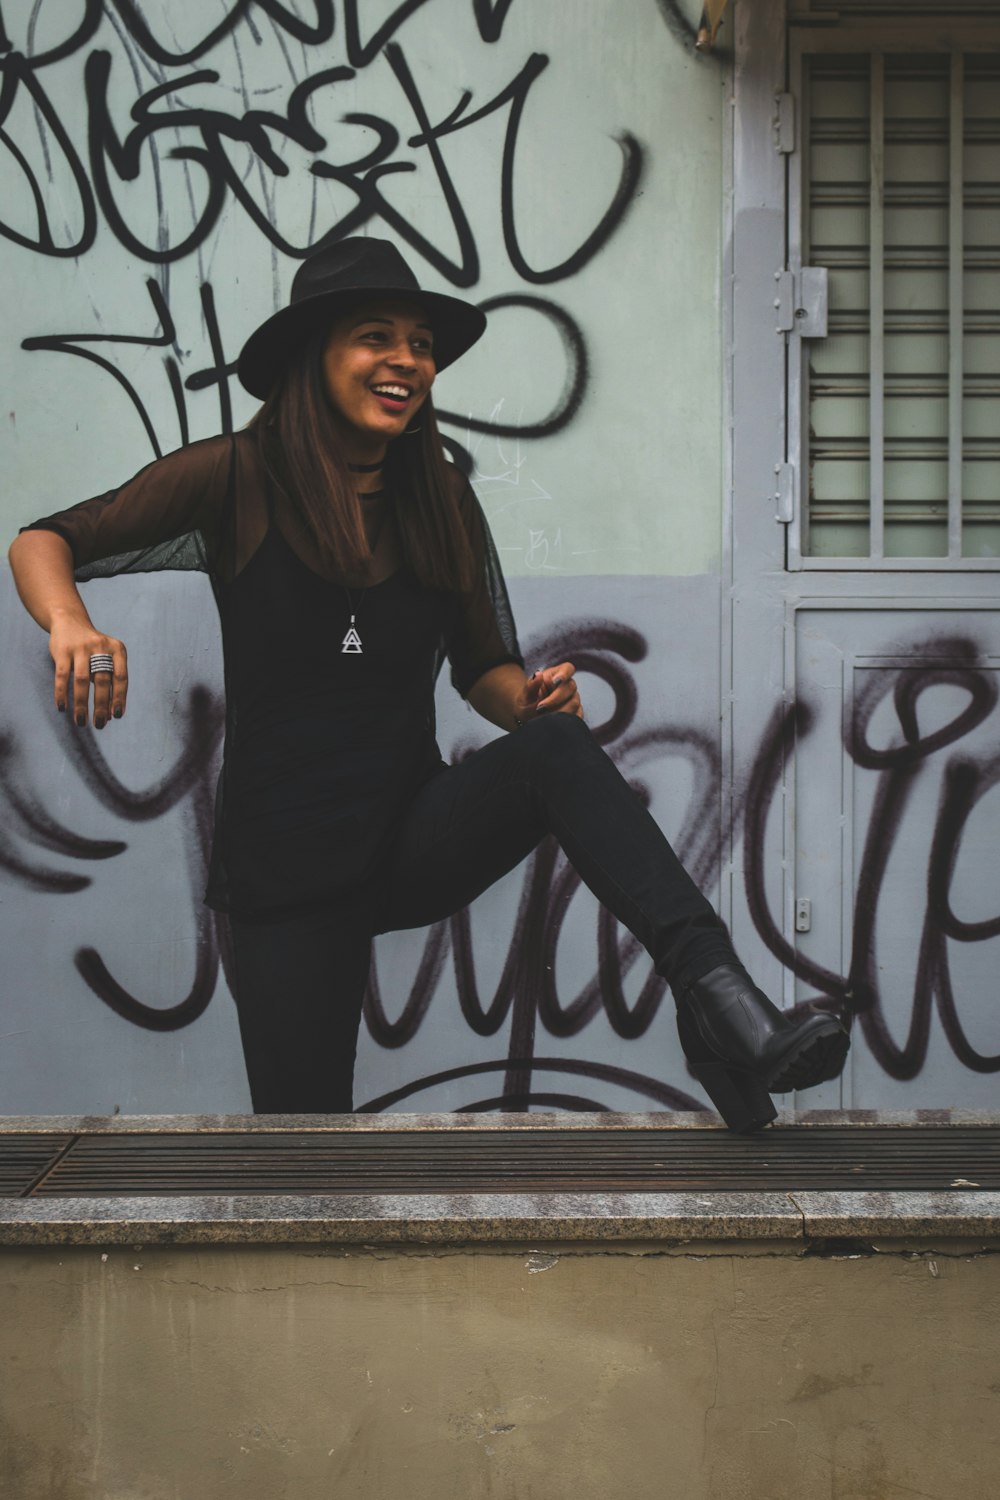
(591, 199)
(140, 908)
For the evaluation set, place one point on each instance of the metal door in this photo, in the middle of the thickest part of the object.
(864, 738)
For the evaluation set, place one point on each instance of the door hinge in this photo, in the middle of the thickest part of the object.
(784, 123)
(784, 493)
(801, 301)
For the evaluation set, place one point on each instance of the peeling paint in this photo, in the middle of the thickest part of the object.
(540, 1262)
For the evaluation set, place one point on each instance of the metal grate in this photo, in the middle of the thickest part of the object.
(496, 1161)
(951, 10)
(24, 1160)
(894, 411)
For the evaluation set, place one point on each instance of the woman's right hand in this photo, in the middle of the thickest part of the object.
(72, 642)
(42, 564)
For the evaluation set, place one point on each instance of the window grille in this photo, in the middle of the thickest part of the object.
(895, 414)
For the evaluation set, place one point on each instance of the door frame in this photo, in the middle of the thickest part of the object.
(761, 595)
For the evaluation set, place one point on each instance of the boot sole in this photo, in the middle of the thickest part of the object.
(820, 1058)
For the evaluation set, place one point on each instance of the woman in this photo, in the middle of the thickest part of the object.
(347, 558)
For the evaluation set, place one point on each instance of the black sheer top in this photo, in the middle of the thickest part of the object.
(324, 745)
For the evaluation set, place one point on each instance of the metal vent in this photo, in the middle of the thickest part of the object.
(497, 1161)
(935, 10)
(893, 189)
(25, 1159)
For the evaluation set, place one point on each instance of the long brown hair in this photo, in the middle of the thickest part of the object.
(301, 454)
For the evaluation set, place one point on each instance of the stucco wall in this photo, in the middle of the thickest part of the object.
(163, 173)
(514, 1374)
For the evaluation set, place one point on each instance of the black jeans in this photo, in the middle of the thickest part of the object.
(300, 983)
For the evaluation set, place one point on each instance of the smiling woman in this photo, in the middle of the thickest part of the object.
(379, 368)
(348, 559)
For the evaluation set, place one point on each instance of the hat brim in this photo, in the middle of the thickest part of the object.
(456, 325)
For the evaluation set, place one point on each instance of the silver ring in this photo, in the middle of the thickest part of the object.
(102, 661)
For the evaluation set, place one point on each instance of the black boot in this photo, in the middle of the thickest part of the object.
(742, 1048)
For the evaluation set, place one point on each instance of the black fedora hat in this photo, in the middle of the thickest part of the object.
(327, 282)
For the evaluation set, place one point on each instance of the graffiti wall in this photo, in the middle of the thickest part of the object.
(164, 170)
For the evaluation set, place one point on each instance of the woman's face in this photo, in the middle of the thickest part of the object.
(378, 366)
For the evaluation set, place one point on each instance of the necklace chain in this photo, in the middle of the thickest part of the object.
(351, 644)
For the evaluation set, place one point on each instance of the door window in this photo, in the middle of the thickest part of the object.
(894, 429)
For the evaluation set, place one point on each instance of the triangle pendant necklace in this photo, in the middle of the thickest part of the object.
(351, 644)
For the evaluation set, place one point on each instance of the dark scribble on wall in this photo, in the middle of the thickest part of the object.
(525, 996)
(858, 993)
(170, 128)
(229, 149)
(231, 155)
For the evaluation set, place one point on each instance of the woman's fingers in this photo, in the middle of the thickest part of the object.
(81, 686)
(559, 693)
(102, 697)
(110, 687)
(549, 690)
(570, 704)
(120, 693)
(64, 670)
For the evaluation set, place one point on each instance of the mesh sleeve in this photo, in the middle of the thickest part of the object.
(483, 634)
(168, 516)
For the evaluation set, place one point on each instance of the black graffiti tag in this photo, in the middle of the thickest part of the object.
(171, 131)
(204, 131)
(857, 995)
(526, 995)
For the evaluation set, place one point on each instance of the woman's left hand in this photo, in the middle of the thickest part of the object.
(552, 690)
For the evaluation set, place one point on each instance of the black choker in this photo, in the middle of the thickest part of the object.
(366, 468)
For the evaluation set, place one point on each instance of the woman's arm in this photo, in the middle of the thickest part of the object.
(167, 515)
(507, 697)
(483, 633)
(42, 565)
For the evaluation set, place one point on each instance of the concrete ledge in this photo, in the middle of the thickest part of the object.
(798, 1218)
(394, 1219)
(959, 1215)
(497, 1218)
(909, 1119)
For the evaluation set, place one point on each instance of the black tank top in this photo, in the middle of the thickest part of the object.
(325, 742)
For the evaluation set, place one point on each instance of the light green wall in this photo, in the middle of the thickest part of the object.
(631, 485)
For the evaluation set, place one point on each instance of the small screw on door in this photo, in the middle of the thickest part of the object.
(803, 914)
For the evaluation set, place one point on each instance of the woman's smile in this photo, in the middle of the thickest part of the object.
(392, 396)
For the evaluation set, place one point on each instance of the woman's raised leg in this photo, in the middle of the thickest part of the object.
(471, 824)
